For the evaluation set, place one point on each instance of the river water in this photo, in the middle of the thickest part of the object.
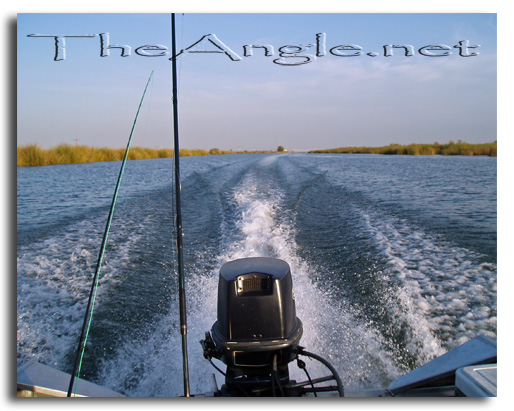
(393, 260)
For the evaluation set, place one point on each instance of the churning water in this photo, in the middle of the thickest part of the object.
(393, 260)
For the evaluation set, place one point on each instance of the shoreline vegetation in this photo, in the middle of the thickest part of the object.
(460, 148)
(34, 155)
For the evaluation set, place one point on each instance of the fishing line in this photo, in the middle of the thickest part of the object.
(181, 48)
(173, 212)
(94, 287)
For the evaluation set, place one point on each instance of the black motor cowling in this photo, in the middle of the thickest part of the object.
(257, 332)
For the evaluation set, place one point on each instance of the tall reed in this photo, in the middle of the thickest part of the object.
(460, 148)
(34, 155)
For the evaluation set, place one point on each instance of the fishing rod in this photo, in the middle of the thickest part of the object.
(179, 232)
(92, 295)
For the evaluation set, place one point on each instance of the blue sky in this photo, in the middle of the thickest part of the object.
(255, 103)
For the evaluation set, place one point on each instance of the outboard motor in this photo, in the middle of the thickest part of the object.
(257, 332)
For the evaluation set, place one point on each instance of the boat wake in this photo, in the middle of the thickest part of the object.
(260, 225)
(377, 294)
(435, 278)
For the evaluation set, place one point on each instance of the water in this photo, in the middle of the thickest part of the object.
(393, 260)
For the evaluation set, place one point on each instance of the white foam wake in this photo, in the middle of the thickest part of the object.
(54, 279)
(446, 295)
(330, 328)
(153, 367)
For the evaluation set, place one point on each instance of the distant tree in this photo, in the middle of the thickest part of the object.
(280, 149)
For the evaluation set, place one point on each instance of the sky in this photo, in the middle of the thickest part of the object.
(339, 89)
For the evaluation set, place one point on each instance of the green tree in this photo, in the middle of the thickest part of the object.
(280, 149)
